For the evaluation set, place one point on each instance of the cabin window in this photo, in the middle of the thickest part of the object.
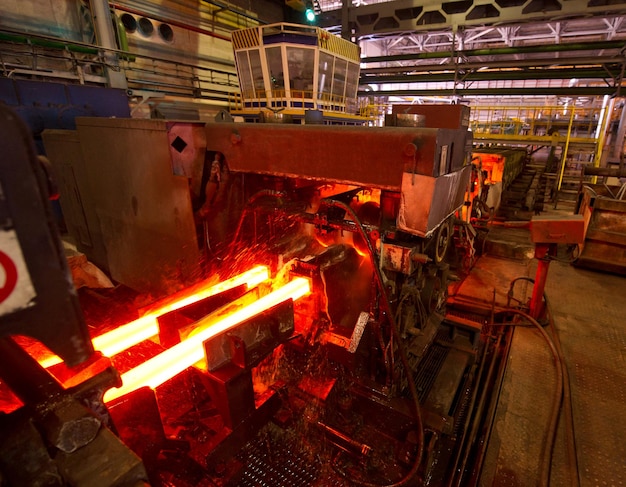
(275, 67)
(301, 66)
(352, 81)
(325, 73)
(339, 79)
(257, 73)
(245, 76)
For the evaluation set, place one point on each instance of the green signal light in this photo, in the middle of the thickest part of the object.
(310, 15)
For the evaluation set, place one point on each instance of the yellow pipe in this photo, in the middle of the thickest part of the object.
(566, 148)
(603, 123)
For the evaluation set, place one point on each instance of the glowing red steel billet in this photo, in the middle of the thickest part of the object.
(134, 332)
(172, 361)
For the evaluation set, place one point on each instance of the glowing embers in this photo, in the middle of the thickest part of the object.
(130, 334)
(173, 361)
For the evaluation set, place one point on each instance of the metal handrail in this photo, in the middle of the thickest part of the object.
(324, 101)
(534, 120)
(48, 56)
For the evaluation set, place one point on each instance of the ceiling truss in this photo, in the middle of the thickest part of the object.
(503, 47)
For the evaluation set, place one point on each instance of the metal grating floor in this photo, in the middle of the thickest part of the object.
(590, 320)
(591, 323)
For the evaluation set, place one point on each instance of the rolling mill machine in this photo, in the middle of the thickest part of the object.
(319, 351)
(298, 331)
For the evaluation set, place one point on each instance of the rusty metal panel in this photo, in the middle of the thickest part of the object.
(604, 247)
(64, 152)
(438, 115)
(428, 201)
(397, 258)
(187, 143)
(143, 210)
(363, 156)
(565, 229)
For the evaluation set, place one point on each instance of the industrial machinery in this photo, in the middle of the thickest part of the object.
(497, 169)
(603, 208)
(52, 433)
(314, 344)
(335, 362)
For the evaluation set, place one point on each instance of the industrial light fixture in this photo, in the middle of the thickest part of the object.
(309, 8)
(310, 14)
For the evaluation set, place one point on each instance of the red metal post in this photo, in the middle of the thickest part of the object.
(542, 254)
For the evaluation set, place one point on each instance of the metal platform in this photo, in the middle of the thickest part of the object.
(588, 317)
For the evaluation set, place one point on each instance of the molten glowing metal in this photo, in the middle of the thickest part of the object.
(173, 361)
(141, 329)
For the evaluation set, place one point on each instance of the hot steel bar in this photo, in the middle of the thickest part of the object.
(171, 362)
(141, 329)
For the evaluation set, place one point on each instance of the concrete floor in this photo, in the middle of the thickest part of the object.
(589, 320)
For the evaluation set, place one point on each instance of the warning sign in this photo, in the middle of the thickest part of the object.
(16, 288)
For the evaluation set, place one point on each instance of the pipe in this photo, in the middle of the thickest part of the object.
(343, 441)
(479, 412)
(429, 77)
(588, 46)
(567, 398)
(566, 149)
(567, 91)
(122, 38)
(464, 436)
(603, 124)
(478, 461)
(604, 171)
(542, 254)
(513, 63)
(228, 7)
(47, 42)
(185, 9)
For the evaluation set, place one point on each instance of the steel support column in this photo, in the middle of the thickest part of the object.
(106, 38)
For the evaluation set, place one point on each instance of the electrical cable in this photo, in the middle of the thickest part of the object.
(567, 402)
(566, 390)
(567, 397)
(548, 446)
(405, 363)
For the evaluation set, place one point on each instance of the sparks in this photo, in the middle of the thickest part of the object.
(172, 361)
(134, 332)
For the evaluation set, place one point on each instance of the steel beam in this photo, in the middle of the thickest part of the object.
(499, 51)
(462, 92)
(423, 15)
(522, 74)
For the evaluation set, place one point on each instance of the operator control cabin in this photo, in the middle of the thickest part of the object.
(287, 69)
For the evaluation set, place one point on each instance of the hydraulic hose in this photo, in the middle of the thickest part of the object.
(567, 404)
(405, 363)
(546, 462)
(567, 392)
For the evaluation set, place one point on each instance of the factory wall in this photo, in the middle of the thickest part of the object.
(66, 19)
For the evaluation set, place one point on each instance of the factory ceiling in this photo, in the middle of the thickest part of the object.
(508, 48)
